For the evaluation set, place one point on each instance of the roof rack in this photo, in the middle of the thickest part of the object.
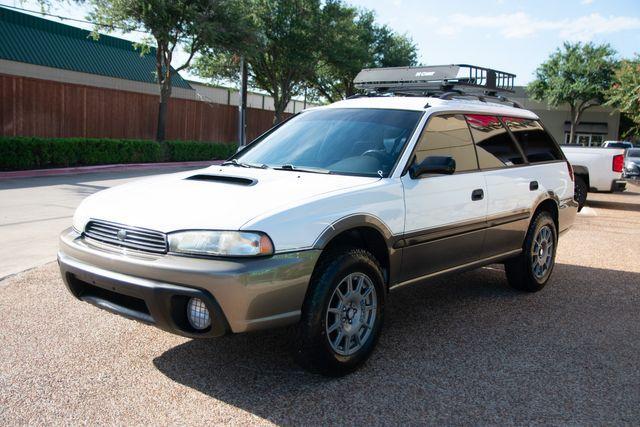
(434, 78)
(444, 81)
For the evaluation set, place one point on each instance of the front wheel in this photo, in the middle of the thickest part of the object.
(342, 314)
(530, 271)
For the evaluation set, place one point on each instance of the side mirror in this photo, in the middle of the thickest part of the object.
(442, 165)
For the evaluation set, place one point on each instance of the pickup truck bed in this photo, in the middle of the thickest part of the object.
(595, 169)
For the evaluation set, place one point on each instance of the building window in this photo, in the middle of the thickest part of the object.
(586, 139)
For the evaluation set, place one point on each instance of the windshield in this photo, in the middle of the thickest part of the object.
(633, 152)
(349, 141)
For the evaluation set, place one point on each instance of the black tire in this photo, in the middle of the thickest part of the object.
(520, 270)
(313, 350)
(580, 192)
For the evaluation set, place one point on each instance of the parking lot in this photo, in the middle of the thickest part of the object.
(462, 350)
(33, 212)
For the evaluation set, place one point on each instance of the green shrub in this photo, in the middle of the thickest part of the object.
(186, 151)
(18, 153)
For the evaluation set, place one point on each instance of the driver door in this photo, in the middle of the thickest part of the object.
(445, 215)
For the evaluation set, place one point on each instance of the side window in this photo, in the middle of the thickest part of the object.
(448, 135)
(494, 144)
(536, 143)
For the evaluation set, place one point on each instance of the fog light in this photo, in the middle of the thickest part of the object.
(198, 314)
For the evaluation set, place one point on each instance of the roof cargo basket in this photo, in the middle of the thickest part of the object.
(434, 79)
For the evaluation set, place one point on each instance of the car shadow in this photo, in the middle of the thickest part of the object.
(459, 349)
(619, 206)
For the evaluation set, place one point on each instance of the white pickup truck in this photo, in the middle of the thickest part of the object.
(595, 169)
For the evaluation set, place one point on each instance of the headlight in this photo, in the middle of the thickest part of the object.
(220, 243)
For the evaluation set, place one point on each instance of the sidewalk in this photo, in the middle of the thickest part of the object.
(103, 168)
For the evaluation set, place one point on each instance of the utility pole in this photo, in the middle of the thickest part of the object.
(304, 106)
(242, 105)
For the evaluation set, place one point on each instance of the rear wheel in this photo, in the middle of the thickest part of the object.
(343, 313)
(580, 192)
(530, 271)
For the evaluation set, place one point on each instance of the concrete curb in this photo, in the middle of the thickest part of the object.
(103, 168)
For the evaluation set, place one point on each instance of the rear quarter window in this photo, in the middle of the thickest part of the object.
(537, 144)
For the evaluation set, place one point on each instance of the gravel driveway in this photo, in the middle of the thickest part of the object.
(463, 350)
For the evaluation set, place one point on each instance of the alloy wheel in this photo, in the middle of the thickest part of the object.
(542, 252)
(351, 314)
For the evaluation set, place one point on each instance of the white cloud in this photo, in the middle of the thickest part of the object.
(521, 25)
(586, 2)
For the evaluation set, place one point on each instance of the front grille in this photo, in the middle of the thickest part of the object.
(125, 236)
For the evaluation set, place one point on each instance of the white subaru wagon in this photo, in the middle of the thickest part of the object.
(313, 223)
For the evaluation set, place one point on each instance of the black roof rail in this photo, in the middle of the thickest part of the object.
(479, 97)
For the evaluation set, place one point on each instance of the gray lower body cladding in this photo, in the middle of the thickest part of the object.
(241, 294)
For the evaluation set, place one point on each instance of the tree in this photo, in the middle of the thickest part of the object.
(624, 94)
(576, 74)
(351, 41)
(224, 25)
(284, 56)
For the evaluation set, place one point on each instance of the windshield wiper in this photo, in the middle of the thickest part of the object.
(290, 167)
(235, 162)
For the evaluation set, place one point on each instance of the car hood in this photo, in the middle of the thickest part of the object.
(218, 197)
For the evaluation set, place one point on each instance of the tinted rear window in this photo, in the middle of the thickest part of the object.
(493, 143)
(536, 143)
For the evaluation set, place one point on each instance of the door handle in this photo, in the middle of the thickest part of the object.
(477, 194)
(533, 185)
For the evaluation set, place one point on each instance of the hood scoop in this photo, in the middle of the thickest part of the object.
(234, 180)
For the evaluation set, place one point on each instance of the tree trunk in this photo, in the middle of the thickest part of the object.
(163, 65)
(350, 89)
(280, 105)
(162, 114)
(572, 132)
(572, 129)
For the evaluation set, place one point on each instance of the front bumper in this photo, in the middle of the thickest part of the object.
(241, 294)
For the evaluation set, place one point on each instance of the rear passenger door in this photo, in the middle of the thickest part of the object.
(445, 214)
(542, 154)
(508, 184)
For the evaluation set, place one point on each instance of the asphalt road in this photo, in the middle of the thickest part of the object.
(463, 350)
(33, 212)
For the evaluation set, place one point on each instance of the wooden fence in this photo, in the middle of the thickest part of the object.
(33, 107)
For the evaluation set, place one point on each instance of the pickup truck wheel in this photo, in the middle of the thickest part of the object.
(530, 271)
(342, 314)
(580, 192)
